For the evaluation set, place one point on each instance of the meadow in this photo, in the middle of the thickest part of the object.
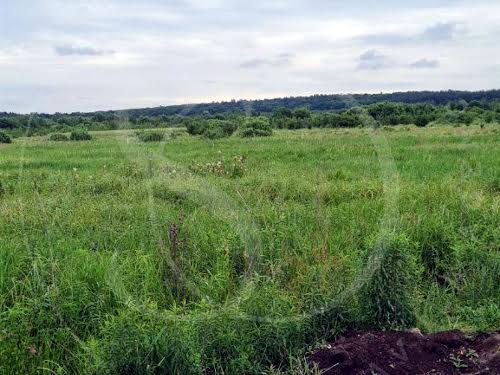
(238, 255)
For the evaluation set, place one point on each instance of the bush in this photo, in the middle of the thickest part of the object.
(195, 127)
(4, 138)
(219, 129)
(385, 298)
(422, 121)
(151, 136)
(212, 129)
(256, 127)
(214, 132)
(58, 137)
(80, 135)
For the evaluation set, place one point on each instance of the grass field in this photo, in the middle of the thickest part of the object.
(236, 256)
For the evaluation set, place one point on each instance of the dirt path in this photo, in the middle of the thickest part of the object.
(384, 353)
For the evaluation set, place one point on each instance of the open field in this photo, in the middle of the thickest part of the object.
(236, 255)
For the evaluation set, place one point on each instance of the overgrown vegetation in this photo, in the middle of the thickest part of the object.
(150, 136)
(212, 128)
(255, 127)
(4, 138)
(387, 297)
(236, 256)
(218, 120)
(58, 137)
(80, 135)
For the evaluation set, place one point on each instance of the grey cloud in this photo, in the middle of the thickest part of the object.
(282, 59)
(373, 60)
(425, 64)
(442, 31)
(68, 50)
(254, 63)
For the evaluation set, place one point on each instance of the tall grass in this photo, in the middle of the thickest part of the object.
(262, 265)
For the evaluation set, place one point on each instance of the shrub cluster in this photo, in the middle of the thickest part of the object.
(4, 138)
(212, 128)
(255, 127)
(80, 135)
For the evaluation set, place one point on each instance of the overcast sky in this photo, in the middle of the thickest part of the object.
(83, 55)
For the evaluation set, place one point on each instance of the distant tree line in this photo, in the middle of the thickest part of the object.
(215, 119)
(388, 113)
(317, 103)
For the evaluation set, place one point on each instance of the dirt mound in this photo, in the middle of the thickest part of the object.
(410, 352)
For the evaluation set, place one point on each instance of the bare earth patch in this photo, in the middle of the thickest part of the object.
(374, 352)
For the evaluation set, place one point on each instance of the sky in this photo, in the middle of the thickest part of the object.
(86, 55)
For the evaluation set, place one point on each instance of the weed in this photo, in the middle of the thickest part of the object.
(236, 168)
(471, 354)
(457, 362)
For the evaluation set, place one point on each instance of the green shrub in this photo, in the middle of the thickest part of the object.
(386, 296)
(4, 138)
(422, 120)
(195, 127)
(151, 136)
(80, 135)
(214, 132)
(212, 128)
(256, 127)
(219, 129)
(58, 137)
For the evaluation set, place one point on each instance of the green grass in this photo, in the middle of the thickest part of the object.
(265, 262)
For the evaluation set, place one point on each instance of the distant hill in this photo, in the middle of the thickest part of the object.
(314, 103)
(334, 102)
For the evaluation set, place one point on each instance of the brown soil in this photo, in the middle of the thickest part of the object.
(410, 352)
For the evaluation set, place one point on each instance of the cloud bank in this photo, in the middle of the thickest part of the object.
(90, 55)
